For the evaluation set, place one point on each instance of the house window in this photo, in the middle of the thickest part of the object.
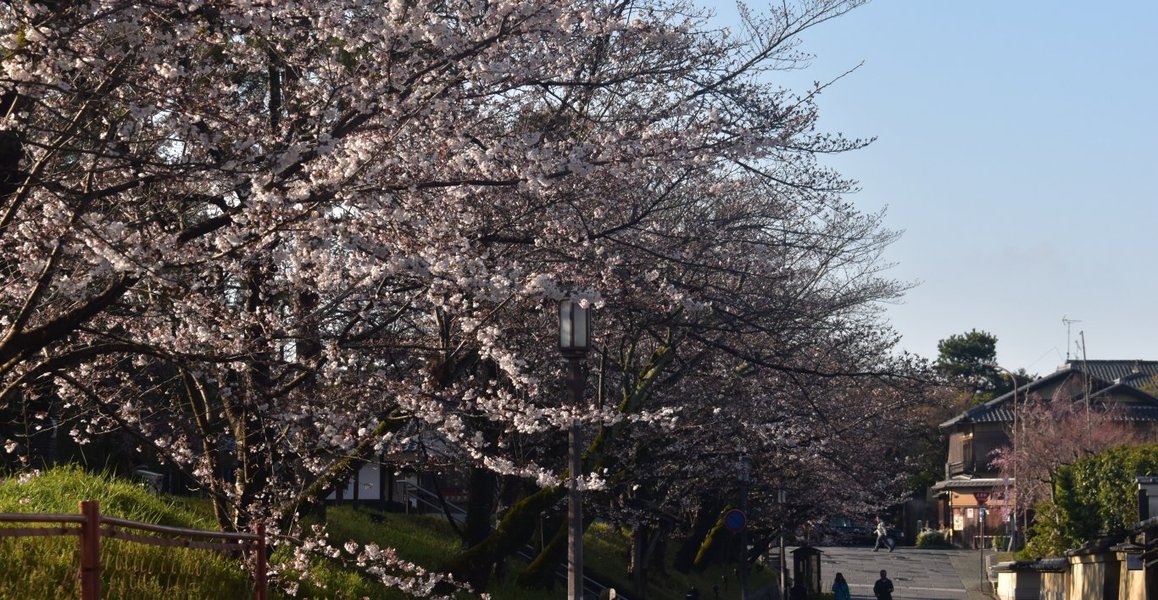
(967, 454)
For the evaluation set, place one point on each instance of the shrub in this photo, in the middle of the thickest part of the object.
(1093, 497)
(1044, 535)
(931, 538)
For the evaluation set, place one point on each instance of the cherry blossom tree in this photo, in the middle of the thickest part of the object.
(1054, 432)
(268, 240)
(831, 442)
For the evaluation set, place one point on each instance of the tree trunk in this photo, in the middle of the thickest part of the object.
(540, 574)
(512, 533)
(706, 518)
(479, 509)
(637, 566)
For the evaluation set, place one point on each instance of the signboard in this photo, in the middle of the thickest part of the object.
(735, 520)
(981, 497)
(958, 522)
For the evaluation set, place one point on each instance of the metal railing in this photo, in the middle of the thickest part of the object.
(423, 500)
(959, 468)
(90, 528)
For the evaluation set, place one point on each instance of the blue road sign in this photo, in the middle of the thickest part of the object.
(735, 520)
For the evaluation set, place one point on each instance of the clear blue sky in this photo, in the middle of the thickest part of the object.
(1017, 151)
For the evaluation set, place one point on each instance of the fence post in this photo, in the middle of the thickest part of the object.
(90, 550)
(260, 578)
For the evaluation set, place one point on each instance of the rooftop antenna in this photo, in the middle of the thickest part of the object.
(1067, 323)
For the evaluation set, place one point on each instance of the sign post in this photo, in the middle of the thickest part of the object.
(981, 498)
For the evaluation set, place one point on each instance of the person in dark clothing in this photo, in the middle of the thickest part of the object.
(883, 588)
(840, 588)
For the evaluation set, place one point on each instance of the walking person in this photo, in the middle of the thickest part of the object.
(883, 537)
(883, 588)
(840, 588)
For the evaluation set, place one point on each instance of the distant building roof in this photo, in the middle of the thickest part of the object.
(980, 483)
(1117, 379)
(1130, 372)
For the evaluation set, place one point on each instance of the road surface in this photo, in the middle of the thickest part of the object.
(917, 574)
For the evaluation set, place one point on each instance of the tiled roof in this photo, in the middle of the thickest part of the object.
(1132, 403)
(998, 410)
(998, 414)
(980, 483)
(1048, 565)
(1117, 379)
(1140, 413)
(1129, 372)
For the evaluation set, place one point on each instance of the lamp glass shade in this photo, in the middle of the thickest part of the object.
(574, 326)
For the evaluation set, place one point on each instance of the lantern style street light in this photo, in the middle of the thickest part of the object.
(574, 329)
(574, 341)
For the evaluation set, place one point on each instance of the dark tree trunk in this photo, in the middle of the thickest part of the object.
(637, 567)
(540, 574)
(705, 519)
(479, 509)
(513, 532)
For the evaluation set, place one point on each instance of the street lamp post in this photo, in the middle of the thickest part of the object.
(1013, 447)
(1016, 459)
(745, 477)
(574, 341)
(781, 498)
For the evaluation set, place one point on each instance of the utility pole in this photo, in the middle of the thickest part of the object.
(780, 498)
(1013, 444)
(745, 476)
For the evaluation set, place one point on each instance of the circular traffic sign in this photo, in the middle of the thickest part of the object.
(735, 520)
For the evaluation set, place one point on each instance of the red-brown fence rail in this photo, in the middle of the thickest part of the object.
(123, 568)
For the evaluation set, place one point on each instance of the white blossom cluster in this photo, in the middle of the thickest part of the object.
(265, 241)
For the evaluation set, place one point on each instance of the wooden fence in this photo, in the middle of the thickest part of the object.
(90, 527)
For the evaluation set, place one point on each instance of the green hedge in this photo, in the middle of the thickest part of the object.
(1094, 497)
(931, 539)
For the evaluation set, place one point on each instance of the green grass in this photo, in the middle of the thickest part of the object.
(422, 540)
(607, 551)
(429, 541)
(45, 567)
(60, 490)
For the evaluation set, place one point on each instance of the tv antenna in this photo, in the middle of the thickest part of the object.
(1068, 323)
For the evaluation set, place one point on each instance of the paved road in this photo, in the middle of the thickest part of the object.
(917, 574)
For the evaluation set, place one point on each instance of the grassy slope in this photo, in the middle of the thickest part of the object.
(606, 554)
(46, 567)
(40, 567)
(429, 541)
